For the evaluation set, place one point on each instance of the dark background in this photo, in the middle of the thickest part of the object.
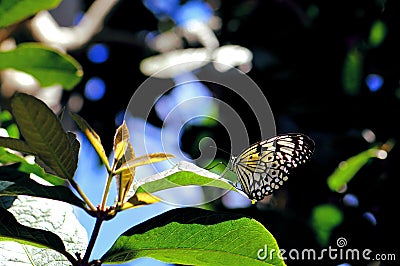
(298, 63)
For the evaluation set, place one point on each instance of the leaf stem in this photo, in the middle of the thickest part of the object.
(107, 188)
(71, 258)
(82, 194)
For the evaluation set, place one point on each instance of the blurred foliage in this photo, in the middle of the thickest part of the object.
(311, 59)
(324, 218)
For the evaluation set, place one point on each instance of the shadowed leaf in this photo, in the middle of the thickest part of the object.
(14, 183)
(44, 134)
(16, 145)
(11, 230)
(74, 144)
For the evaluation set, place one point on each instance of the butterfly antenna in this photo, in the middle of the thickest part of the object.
(211, 146)
(227, 168)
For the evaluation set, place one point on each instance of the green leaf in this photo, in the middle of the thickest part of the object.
(93, 138)
(14, 183)
(26, 167)
(11, 230)
(349, 168)
(193, 236)
(377, 34)
(183, 174)
(352, 72)
(46, 64)
(44, 134)
(324, 219)
(6, 121)
(16, 145)
(12, 11)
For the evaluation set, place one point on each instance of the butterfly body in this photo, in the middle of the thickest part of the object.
(265, 166)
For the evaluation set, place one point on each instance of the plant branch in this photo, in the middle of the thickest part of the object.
(93, 238)
(71, 258)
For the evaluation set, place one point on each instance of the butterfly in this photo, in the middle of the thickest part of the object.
(264, 166)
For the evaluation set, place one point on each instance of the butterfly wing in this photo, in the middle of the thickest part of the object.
(264, 166)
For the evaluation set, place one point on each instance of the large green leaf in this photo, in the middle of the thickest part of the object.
(26, 167)
(11, 230)
(12, 11)
(183, 174)
(192, 236)
(44, 134)
(46, 64)
(14, 183)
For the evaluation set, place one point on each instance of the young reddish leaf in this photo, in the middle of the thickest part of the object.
(121, 141)
(125, 178)
(145, 159)
(93, 138)
(140, 199)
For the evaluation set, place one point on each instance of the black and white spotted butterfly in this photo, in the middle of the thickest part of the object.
(264, 166)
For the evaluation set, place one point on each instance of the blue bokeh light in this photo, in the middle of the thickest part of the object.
(350, 200)
(374, 82)
(160, 8)
(78, 17)
(119, 117)
(189, 102)
(98, 53)
(95, 89)
(370, 217)
(192, 10)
